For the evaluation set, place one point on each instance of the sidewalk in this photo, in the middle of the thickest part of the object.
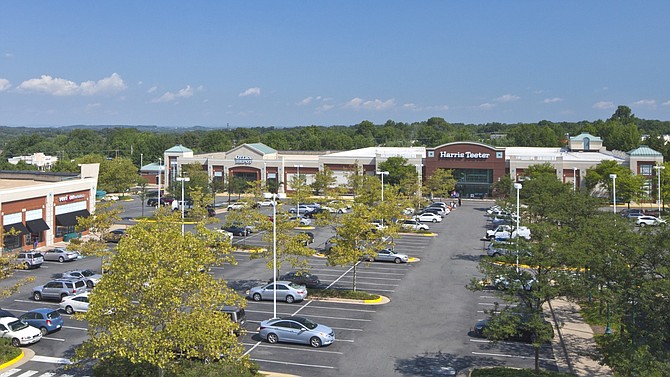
(573, 343)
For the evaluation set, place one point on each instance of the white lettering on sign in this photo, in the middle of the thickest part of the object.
(71, 197)
(245, 160)
(474, 155)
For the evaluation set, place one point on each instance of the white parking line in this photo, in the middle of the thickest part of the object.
(75, 328)
(301, 349)
(50, 338)
(347, 309)
(294, 364)
(52, 360)
(358, 282)
(41, 302)
(367, 277)
(510, 356)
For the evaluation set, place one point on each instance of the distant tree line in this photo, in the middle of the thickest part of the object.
(622, 131)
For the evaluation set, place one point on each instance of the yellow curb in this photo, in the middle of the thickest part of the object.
(274, 374)
(319, 255)
(254, 250)
(375, 301)
(430, 234)
(304, 227)
(533, 267)
(12, 361)
(413, 259)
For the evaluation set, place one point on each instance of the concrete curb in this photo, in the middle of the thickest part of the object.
(379, 301)
(429, 234)
(24, 357)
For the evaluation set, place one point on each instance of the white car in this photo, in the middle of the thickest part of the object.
(110, 198)
(265, 203)
(413, 225)
(303, 220)
(236, 206)
(19, 332)
(226, 233)
(335, 210)
(649, 220)
(76, 303)
(90, 277)
(428, 217)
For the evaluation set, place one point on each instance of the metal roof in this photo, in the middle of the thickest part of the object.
(644, 150)
(262, 148)
(178, 149)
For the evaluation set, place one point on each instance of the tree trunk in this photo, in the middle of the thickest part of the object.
(537, 359)
(161, 372)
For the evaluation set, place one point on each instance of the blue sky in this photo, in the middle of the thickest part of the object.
(283, 63)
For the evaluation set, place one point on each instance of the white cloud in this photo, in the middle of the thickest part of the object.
(508, 98)
(486, 106)
(170, 96)
(666, 103)
(152, 89)
(111, 84)
(410, 106)
(376, 104)
(4, 84)
(139, 83)
(645, 102)
(62, 87)
(603, 105)
(9, 55)
(306, 101)
(553, 100)
(251, 92)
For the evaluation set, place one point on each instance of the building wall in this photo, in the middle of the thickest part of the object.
(465, 156)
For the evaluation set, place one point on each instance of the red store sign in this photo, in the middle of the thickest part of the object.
(70, 197)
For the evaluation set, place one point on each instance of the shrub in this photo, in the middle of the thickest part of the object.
(7, 351)
(188, 368)
(342, 293)
(513, 372)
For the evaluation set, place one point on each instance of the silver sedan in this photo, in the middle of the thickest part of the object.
(296, 330)
(286, 291)
(388, 255)
(60, 255)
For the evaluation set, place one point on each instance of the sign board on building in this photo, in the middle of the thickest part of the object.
(70, 197)
(467, 155)
(243, 160)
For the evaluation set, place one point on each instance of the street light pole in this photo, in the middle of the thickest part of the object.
(518, 187)
(160, 169)
(613, 176)
(183, 204)
(658, 173)
(574, 179)
(297, 207)
(274, 251)
(382, 174)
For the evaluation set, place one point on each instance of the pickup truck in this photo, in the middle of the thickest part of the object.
(503, 232)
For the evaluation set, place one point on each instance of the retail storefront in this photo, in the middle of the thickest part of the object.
(39, 209)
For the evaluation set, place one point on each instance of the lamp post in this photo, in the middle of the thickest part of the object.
(574, 179)
(518, 187)
(160, 169)
(274, 251)
(382, 174)
(608, 329)
(613, 176)
(658, 173)
(297, 207)
(183, 204)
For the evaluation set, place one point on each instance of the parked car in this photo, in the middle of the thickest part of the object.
(428, 217)
(332, 241)
(413, 225)
(301, 210)
(296, 330)
(265, 203)
(110, 198)
(4, 313)
(635, 212)
(226, 234)
(236, 230)
(303, 220)
(503, 232)
(76, 303)
(90, 277)
(287, 291)
(314, 212)
(115, 235)
(30, 259)
(308, 237)
(236, 206)
(165, 201)
(645, 220)
(237, 315)
(522, 333)
(58, 289)
(436, 210)
(20, 333)
(301, 278)
(45, 319)
(388, 255)
(60, 255)
(498, 248)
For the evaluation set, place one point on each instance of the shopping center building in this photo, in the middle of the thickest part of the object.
(39, 208)
(476, 166)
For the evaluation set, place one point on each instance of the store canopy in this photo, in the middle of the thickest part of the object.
(19, 227)
(37, 226)
(70, 219)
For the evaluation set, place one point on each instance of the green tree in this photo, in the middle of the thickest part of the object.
(628, 186)
(117, 175)
(198, 180)
(503, 187)
(300, 188)
(323, 180)
(157, 306)
(399, 170)
(440, 183)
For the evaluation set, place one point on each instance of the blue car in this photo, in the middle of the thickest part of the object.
(45, 319)
(296, 330)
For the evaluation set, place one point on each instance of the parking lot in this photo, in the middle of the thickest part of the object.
(425, 326)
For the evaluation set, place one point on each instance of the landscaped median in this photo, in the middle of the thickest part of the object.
(357, 297)
(9, 355)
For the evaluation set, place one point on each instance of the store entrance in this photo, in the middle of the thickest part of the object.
(474, 183)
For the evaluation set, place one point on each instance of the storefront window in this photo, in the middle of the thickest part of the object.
(645, 169)
(63, 230)
(13, 242)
